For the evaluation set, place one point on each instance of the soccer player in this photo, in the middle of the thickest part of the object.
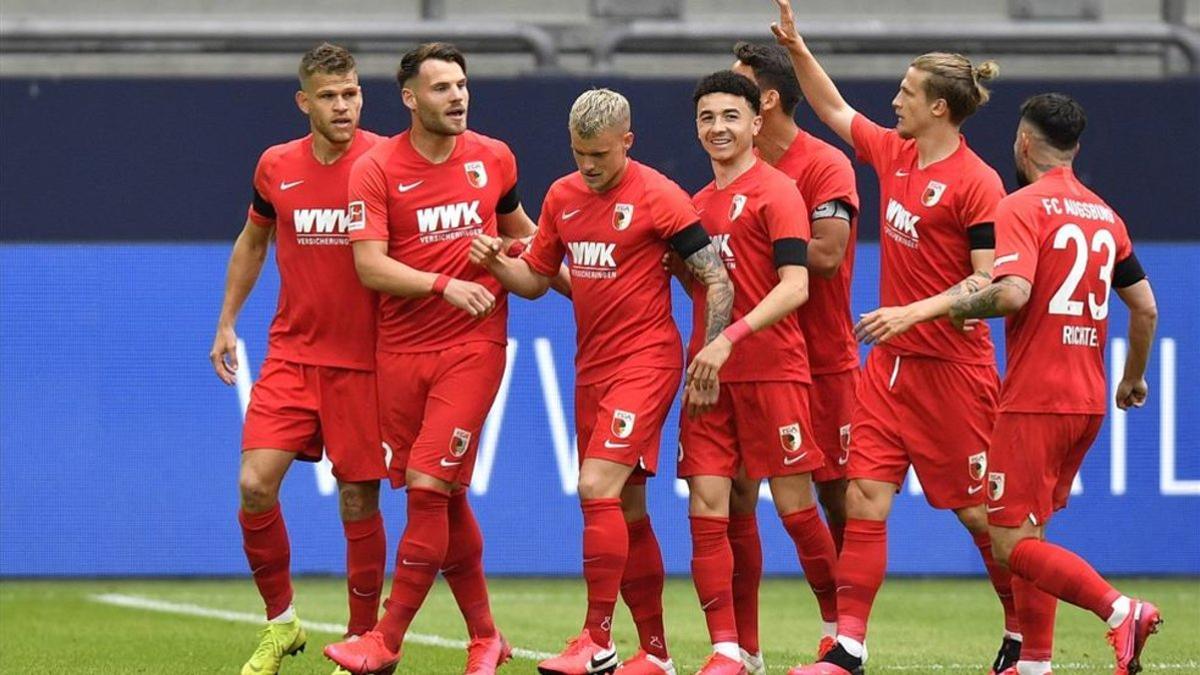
(761, 419)
(317, 384)
(1060, 251)
(614, 219)
(826, 181)
(937, 201)
(417, 200)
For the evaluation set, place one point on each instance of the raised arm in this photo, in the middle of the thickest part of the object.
(380, 272)
(245, 264)
(820, 91)
(513, 273)
(1143, 321)
(516, 226)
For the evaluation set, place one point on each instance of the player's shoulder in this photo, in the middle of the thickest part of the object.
(705, 193)
(771, 178)
(571, 183)
(494, 146)
(975, 169)
(283, 152)
(654, 182)
(370, 138)
(825, 155)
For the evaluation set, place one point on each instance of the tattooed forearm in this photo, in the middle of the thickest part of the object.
(707, 267)
(998, 299)
(977, 280)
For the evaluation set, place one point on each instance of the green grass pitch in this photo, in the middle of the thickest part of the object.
(918, 626)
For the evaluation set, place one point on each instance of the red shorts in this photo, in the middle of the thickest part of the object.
(936, 415)
(1034, 458)
(763, 426)
(831, 407)
(628, 411)
(301, 408)
(432, 408)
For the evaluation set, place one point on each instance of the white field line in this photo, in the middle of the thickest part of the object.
(153, 605)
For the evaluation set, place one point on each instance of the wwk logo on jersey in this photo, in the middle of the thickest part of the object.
(737, 206)
(622, 423)
(977, 464)
(593, 259)
(476, 174)
(459, 442)
(790, 438)
(721, 241)
(995, 485)
(322, 226)
(448, 221)
(622, 216)
(903, 224)
(933, 193)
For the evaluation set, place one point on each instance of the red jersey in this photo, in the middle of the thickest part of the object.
(1065, 241)
(923, 220)
(614, 242)
(429, 213)
(745, 219)
(325, 316)
(824, 174)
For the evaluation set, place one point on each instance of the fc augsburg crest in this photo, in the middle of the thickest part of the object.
(622, 216)
(978, 465)
(790, 437)
(933, 193)
(995, 485)
(622, 423)
(460, 442)
(737, 206)
(476, 174)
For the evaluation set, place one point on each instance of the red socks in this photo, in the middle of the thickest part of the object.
(463, 568)
(419, 556)
(642, 586)
(747, 574)
(265, 540)
(860, 574)
(818, 557)
(1001, 581)
(605, 550)
(366, 555)
(1035, 612)
(712, 572)
(1064, 575)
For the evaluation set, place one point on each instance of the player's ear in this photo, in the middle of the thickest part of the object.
(302, 101)
(627, 140)
(770, 99)
(756, 124)
(940, 108)
(409, 98)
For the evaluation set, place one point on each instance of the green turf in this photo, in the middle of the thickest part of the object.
(936, 626)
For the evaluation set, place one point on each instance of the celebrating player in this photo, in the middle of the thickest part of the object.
(825, 179)
(416, 202)
(761, 419)
(615, 219)
(317, 385)
(1060, 250)
(937, 203)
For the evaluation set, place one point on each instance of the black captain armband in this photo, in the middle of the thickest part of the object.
(689, 240)
(509, 201)
(982, 236)
(790, 251)
(263, 207)
(834, 208)
(1128, 272)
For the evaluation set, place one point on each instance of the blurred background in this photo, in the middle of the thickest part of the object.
(129, 130)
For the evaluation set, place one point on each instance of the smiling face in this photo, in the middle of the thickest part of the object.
(333, 103)
(601, 159)
(726, 126)
(915, 112)
(438, 97)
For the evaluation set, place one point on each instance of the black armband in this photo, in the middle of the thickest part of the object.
(790, 251)
(982, 236)
(263, 207)
(509, 201)
(834, 208)
(689, 240)
(1128, 272)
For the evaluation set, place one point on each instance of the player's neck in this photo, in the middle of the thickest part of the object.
(434, 147)
(327, 152)
(775, 137)
(936, 144)
(726, 172)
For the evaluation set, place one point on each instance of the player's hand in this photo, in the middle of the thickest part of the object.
(485, 249)
(962, 324)
(785, 29)
(699, 401)
(883, 324)
(224, 354)
(470, 297)
(702, 371)
(1132, 393)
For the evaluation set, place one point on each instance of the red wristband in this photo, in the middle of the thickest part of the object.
(516, 249)
(737, 331)
(440, 284)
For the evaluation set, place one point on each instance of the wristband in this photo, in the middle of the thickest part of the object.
(516, 249)
(737, 331)
(440, 284)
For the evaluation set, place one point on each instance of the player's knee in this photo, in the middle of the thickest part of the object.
(743, 500)
(259, 492)
(832, 496)
(595, 485)
(974, 518)
(358, 501)
(866, 502)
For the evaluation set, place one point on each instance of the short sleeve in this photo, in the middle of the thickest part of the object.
(546, 251)
(834, 181)
(508, 162)
(1017, 242)
(671, 208)
(785, 214)
(979, 199)
(262, 211)
(368, 209)
(873, 144)
(1124, 242)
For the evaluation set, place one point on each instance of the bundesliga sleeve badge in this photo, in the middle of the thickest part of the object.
(622, 216)
(933, 193)
(476, 174)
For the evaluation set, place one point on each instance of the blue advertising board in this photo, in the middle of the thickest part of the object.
(119, 447)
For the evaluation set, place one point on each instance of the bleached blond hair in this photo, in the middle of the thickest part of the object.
(597, 110)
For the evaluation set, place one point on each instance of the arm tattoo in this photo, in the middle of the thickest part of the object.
(706, 266)
(977, 280)
(985, 303)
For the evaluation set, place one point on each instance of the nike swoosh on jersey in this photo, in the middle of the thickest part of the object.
(974, 489)
(567, 215)
(405, 188)
(901, 173)
(610, 445)
(289, 186)
(446, 464)
(788, 461)
(993, 509)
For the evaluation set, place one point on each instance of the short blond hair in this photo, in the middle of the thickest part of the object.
(597, 110)
(953, 78)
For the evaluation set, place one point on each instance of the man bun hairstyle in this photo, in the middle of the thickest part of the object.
(1057, 116)
(410, 63)
(773, 69)
(729, 82)
(326, 59)
(954, 79)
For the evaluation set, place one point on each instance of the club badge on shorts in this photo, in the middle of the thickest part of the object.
(476, 174)
(622, 423)
(737, 206)
(933, 193)
(978, 465)
(459, 442)
(790, 438)
(995, 485)
(844, 437)
(622, 216)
